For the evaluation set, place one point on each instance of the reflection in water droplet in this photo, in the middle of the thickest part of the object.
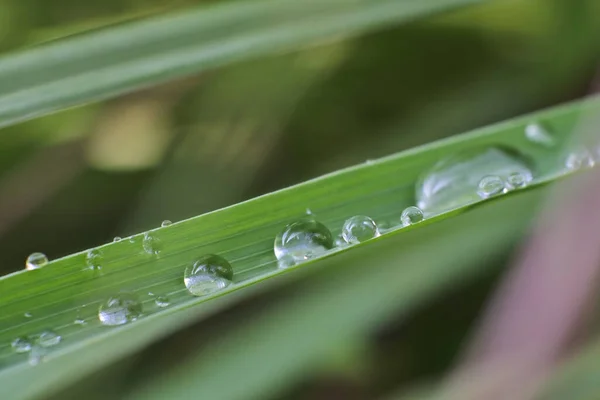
(411, 215)
(340, 242)
(538, 134)
(490, 186)
(453, 181)
(49, 338)
(36, 355)
(166, 222)
(207, 275)
(120, 309)
(581, 158)
(117, 239)
(516, 180)
(94, 259)
(35, 261)
(303, 240)
(359, 229)
(151, 243)
(21, 345)
(162, 301)
(288, 261)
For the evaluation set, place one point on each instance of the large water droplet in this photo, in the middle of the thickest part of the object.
(207, 275)
(21, 345)
(358, 229)
(120, 309)
(162, 301)
(94, 259)
(151, 243)
(166, 222)
(580, 158)
(536, 133)
(303, 240)
(411, 215)
(49, 338)
(453, 181)
(35, 261)
(489, 186)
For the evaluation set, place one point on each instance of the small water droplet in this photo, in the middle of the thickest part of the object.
(489, 186)
(35, 261)
(303, 240)
(536, 133)
(162, 301)
(308, 211)
(207, 275)
(21, 345)
(516, 180)
(80, 321)
(453, 181)
(580, 158)
(49, 338)
(36, 355)
(151, 244)
(150, 294)
(117, 239)
(359, 229)
(94, 259)
(132, 240)
(411, 215)
(27, 315)
(166, 222)
(120, 309)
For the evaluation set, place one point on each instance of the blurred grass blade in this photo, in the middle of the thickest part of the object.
(578, 378)
(68, 289)
(110, 62)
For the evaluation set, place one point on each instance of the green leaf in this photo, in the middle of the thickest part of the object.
(111, 62)
(68, 288)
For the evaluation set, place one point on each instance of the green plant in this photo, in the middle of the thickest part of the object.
(314, 311)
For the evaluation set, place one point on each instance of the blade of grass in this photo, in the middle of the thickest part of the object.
(67, 288)
(111, 62)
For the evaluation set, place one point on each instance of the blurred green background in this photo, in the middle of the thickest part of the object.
(78, 178)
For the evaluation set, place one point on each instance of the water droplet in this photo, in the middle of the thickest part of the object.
(536, 133)
(117, 239)
(80, 321)
(162, 301)
(489, 186)
(27, 315)
(166, 222)
(94, 259)
(303, 240)
(49, 338)
(453, 181)
(132, 240)
(120, 309)
(516, 180)
(288, 261)
(207, 275)
(358, 229)
(151, 243)
(21, 345)
(150, 294)
(411, 215)
(35, 261)
(578, 159)
(36, 355)
(308, 211)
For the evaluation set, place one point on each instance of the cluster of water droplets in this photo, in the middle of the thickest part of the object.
(461, 179)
